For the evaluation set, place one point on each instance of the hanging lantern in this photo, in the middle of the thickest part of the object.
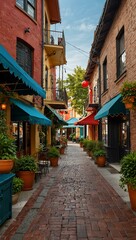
(85, 84)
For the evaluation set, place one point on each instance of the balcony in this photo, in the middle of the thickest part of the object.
(59, 99)
(54, 43)
(90, 106)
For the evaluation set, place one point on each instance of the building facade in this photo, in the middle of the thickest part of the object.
(112, 59)
(26, 69)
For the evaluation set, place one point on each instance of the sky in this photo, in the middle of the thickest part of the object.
(79, 19)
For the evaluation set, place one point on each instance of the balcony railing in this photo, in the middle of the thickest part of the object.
(61, 95)
(54, 38)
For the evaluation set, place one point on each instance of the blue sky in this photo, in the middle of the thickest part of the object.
(79, 19)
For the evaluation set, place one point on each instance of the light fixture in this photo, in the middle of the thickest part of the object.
(3, 106)
(27, 30)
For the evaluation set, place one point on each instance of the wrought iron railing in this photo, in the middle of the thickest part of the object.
(61, 95)
(56, 38)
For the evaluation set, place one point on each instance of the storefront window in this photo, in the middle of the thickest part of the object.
(17, 129)
(105, 131)
(124, 127)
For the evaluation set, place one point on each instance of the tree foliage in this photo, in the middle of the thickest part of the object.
(75, 91)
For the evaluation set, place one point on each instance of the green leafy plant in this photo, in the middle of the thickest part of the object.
(85, 142)
(99, 152)
(7, 144)
(128, 170)
(81, 140)
(26, 163)
(53, 152)
(128, 91)
(17, 185)
(7, 147)
(91, 144)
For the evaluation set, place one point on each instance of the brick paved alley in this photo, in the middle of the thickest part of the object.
(74, 202)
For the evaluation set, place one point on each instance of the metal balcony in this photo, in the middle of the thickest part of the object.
(59, 99)
(54, 43)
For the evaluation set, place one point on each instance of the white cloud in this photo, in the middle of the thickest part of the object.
(66, 12)
(86, 27)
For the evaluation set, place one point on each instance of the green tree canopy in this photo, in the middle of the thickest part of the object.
(75, 91)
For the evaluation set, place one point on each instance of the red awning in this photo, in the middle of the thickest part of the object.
(89, 120)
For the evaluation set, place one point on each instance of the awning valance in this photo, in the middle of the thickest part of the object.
(57, 115)
(114, 107)
(24, 112)
(73, 126)
(72, 120)
(15, 79)
(88, 120)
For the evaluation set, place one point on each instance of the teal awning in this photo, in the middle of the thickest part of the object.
(15, 79)
(114, 107)
(24, 112)
(57, 115)
(73, 126)
(72, 120)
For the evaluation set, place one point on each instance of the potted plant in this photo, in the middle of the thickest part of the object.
(128, 176)
(81, 142)
(85, 142)
(7, 146)
(91, 144)
(100, 155)
(53, 155)
(128, 92)
(25, 168)
(17, 184)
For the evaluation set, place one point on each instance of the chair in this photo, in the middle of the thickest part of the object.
(43, 161)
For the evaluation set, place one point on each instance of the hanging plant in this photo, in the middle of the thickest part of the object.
(128, 92)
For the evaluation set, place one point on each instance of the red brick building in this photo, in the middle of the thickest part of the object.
(113, 61)
(21, 34)
(23, 24)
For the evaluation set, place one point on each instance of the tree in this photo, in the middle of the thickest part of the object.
(75, 91)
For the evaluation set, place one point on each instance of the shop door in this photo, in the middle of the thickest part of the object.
(124, 138)
(113, 140)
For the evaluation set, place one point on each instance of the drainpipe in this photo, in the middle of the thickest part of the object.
(42, 48)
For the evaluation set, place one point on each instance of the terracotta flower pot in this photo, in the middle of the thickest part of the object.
(54, 161)
(6, 166)
(101, 160)
(62, 150)
(81, 144)
(132, 196)
(129, 105)
(28, 178)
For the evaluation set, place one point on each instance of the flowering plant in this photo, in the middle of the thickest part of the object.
(128, 92)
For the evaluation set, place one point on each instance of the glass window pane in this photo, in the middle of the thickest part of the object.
(20, 3)
(31, 11)
(32, 2)
(121, 44)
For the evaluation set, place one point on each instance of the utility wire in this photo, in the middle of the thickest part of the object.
(79, 49)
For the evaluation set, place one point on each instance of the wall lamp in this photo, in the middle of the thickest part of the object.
(3, 106)
(27, 30)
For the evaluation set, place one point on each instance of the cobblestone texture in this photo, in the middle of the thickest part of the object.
(74, 202)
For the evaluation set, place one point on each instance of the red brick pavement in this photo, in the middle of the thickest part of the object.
(80, 205)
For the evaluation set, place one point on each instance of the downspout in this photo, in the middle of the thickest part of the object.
(42, 48)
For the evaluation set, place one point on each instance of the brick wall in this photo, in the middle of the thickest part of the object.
(13, 21)
(125, 17)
